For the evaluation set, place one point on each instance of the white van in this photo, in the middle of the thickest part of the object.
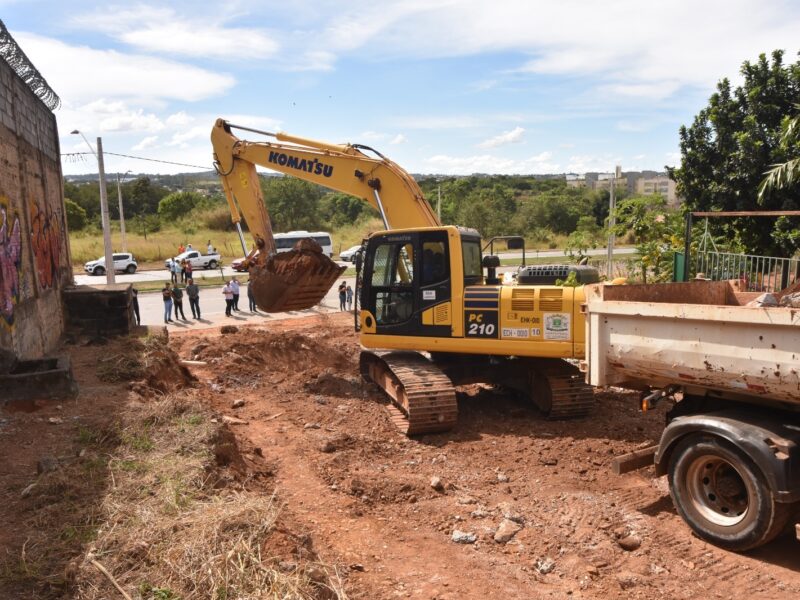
(286, 241)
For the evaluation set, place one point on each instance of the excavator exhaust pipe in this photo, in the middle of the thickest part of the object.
(294, 280)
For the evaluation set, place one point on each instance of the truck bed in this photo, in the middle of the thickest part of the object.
(696, 334)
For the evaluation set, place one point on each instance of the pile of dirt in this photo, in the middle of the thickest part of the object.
(148, 363)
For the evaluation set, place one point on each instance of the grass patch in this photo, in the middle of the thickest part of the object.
(170, 531)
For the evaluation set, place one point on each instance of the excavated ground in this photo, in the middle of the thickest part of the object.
(364, 492)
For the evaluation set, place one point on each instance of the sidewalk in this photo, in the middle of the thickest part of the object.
(212, 309)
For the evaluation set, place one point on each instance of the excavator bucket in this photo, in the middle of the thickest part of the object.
(293, 280)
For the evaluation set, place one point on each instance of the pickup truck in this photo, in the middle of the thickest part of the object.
(198, 261)
(731, 446)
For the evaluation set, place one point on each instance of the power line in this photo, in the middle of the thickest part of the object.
(166, 162)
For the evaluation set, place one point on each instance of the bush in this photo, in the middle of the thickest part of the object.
(217, 219)
(76, 216)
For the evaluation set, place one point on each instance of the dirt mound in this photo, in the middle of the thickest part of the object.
(329, 383)
(149, 363)
(244, 352)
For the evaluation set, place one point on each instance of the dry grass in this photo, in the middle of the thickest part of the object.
(175, 525)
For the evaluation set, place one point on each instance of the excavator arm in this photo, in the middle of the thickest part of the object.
(301, 278)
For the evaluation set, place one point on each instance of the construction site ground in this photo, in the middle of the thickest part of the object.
(378, 510)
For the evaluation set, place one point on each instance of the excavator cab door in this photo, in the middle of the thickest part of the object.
(406, 276)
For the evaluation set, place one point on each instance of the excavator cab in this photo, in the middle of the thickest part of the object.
(409, 277)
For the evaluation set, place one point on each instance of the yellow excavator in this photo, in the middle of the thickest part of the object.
(430, 318)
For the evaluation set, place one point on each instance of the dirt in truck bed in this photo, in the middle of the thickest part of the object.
(508, 505)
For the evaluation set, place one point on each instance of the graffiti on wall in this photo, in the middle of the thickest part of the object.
(46, 244)
(10, 261)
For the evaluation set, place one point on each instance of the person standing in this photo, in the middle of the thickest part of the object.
(181, 249)
(342, 295)
(235, 289)
(173, 274)
(193, 292)
(166, 294)
(349, 292)
(177, 302)
(251, 299)
(188, 269)
(227, 291)
(209, 248)
(135, 305)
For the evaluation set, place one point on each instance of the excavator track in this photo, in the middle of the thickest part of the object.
(423, 397)
(559, 390)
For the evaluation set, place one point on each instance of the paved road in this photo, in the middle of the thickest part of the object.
(212, 309)
(163, 274)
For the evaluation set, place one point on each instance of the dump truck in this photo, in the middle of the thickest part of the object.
(731, 445)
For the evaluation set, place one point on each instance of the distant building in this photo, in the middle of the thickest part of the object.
(661, 184)
(633, 182)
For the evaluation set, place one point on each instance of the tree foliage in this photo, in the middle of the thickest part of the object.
(656, 231)
(292, 203)
(732, 142)
(179, 205)
(76, 216)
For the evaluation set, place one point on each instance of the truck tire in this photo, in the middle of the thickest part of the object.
(99, 271)
(130, 269)
(723, 495)
(212, 264)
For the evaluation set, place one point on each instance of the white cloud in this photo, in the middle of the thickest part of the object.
(486, 163)
(146, 143)
(515, 136)
(601, 164)
(81, 74)
(163, 31)
(181, 138)
(178, 119)
(635, 49)
(398, 139)
(634, 126)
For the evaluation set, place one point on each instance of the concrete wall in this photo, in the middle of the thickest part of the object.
(34, 248)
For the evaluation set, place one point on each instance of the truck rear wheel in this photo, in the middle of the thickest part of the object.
(212, 264)
(723, 495)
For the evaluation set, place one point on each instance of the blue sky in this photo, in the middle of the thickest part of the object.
(440, 86)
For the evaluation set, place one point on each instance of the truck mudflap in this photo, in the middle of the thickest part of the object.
(772, 442)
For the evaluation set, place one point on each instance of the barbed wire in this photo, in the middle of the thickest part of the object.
(80, 157)
(23, 66)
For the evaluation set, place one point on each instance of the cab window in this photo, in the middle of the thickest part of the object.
(392, 282)
(471, 251)
(434, 263)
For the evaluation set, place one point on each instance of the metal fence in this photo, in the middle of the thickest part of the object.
(757, 273)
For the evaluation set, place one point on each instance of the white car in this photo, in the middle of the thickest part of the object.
(123, 263)
(349, 255)
(199, 261)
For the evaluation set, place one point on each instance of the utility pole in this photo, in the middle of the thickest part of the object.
(612, 207)
(439, 203)
(104, 214)
(121, 214)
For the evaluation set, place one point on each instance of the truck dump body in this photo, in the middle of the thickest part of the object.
(698, 335)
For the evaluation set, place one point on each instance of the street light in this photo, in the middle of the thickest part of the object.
(109, 253)
(121, 212)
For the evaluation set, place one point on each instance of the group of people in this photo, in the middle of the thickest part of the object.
(173, 300)
(345, 296)
(231, 293)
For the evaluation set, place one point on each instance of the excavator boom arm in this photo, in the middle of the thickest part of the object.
(344, 168)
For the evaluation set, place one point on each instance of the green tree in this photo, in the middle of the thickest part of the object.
(656, 232)
(292, 203)
(144, 197)
(179, 204)
(786, 174)
(731, 144)
(76, 216)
